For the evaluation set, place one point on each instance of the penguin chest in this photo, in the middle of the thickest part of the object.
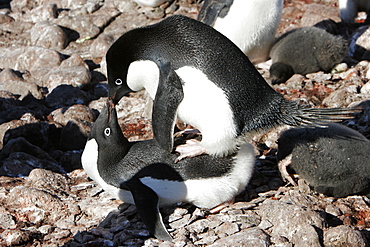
(89, 160)
(206, 107)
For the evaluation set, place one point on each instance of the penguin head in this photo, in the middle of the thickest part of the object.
(117, 81)
(108, 134)
(119, 57)
(280, 72)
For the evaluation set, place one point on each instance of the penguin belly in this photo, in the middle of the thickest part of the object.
(206, 107)
(252, 25)
(211, 192)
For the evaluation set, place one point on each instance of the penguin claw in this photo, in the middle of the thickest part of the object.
(283, 164)
(191, 148)
(218, 208)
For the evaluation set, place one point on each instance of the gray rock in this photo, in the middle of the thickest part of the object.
(293, 222)
(49, 35)
(249, 237)
(11, 81)
(77, 113)
(83, 25)
(15, 237)
(28, 58)
(343, 236)
(41, 13)
(100, 45)
(7, 221)
(359, 46)
(77, 76)
(21, 164)
(66, 95)
(49, 181)
(74, 60)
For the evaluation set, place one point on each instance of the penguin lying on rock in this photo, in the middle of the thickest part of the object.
(199, 76)
(143, 174)
(250, 24)
(303, 51)
(334, 160)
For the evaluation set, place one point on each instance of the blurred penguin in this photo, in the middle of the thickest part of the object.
(303, 51)
(349, 9)
(250, 24)
(334, 160)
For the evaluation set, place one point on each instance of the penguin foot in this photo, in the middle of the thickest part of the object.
(283, 164)
(218, 208)
(191, 148)
(187, 132)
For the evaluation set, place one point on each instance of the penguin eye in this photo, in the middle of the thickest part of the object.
(107, 131)
(118, 82)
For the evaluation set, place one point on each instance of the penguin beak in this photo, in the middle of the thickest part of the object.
(110, 107)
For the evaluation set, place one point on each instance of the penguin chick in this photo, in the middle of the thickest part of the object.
(349, 9)
(195, 74)
(251, 24)
(303, 51)
(334, 160)
(142, 173)
(150, 3)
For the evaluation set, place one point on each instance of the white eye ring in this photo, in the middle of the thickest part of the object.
(107, 131)
(118, 82)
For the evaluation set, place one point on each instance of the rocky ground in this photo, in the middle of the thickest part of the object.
(53, 84)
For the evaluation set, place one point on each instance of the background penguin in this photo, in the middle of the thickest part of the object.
(305, 50)
(143, 174)
(349, 9)
(150, 3)
(251, 24)
(334, 160)
(196, 74)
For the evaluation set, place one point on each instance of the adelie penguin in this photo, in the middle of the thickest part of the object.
(349, 9)
(335, 160)
(250, 24)
(303, 51)
(199, 76)
(142, 173)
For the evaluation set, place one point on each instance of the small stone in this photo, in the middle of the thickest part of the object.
(7, 221)
(49, 35)
(343, 235)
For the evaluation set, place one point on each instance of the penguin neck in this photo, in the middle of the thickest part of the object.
(143, 74)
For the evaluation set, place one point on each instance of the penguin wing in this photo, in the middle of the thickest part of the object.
(166, 101)
(212, 9)
(146, 201)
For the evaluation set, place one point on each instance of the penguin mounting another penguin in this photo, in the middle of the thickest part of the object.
(197, 75)
(349, 9)
(303, 51)
(144, 174)
(334, 160)
(250, 24)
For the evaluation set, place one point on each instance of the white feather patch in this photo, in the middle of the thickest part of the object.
(211, 192)
(143, 74)
(206, 107)
(89, 160)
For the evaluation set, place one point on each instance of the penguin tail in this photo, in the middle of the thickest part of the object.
(318, 117)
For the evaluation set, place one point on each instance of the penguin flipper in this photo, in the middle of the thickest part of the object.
(212, 9)
(167, 99)
(146, 201)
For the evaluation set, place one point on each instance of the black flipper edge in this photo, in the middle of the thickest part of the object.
(167, 99)
(146, 201)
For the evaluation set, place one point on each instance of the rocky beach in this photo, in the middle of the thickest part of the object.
(53, 85)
